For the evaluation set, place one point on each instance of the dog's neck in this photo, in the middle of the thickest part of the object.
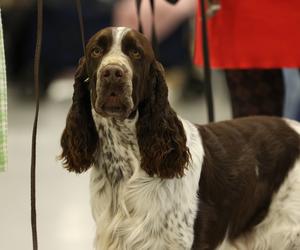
(118, 154)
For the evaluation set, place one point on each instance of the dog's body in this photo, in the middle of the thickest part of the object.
(159, 182)
(143, 212)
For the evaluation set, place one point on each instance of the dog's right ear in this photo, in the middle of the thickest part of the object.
(80, 138)
(161, 136)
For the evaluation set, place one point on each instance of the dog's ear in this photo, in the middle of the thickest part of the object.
(161, 136)
(80, 138)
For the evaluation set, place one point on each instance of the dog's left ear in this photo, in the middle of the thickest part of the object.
(80, 138)
(161, 136)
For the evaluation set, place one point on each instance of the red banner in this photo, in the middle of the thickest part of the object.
(252, 34)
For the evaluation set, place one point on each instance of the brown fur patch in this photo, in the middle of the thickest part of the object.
(246, 160)
(80, 138)
(161, 136)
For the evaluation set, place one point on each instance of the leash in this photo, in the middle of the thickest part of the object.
(36, 74)
(80, 17)
(154, 39)
(138, 7)
(206, 61)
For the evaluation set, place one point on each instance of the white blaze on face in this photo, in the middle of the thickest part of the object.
(115, 55)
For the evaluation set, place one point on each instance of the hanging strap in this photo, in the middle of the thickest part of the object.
(138, 7)
(153, 31)
(37, 98)
(207, 67)
(34, 130)
(172, 1)
(154, 39)
(80, 17)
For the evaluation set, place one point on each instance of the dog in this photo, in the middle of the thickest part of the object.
(159, 182)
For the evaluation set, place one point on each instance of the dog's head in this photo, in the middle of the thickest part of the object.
(118, 64)
(119, 78)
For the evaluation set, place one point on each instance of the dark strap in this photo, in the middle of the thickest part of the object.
(80, 17)
(207, 68)
(172, 1)
(34, 130)
(138, 6)
(154, 39)
(37, 97)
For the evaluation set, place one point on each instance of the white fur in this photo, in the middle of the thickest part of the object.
(280, 230)
(133, 214)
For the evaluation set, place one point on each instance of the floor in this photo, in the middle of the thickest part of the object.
(63, 212)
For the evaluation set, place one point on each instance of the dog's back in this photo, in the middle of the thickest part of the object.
(250, 185)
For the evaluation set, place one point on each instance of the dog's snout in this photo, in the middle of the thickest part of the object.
(112, 73)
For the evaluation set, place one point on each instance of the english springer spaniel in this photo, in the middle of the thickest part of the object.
(159, 182)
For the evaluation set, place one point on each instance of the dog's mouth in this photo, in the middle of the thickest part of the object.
(114, 106)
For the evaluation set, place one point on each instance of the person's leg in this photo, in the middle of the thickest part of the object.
(256, 92)
(292, 93)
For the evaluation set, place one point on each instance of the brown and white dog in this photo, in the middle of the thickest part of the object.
(159, 182)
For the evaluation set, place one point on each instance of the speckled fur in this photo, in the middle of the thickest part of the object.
(132, 210)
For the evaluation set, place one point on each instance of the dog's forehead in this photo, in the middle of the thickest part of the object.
(117, 35)
(120, 34)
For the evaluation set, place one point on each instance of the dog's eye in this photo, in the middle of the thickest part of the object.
(97, 51)
(135, 53)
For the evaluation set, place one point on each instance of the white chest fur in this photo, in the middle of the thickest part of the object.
(132, 210)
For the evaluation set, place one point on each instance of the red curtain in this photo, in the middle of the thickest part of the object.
(252, 34)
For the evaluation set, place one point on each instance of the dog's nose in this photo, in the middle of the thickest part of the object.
(112, 73)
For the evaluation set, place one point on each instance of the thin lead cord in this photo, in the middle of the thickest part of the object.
(138, 7)
(34, 130)
(80, 17)
(36, 73)
(154, 39)
(207, 68)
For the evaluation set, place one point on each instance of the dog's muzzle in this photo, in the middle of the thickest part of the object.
(114, 91)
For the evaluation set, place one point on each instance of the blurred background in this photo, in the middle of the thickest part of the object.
(64, 217)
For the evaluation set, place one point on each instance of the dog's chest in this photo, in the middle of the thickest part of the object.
(119, 154)
(132, 210)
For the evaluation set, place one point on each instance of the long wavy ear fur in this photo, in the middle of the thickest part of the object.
(161, 136)
(80, 138)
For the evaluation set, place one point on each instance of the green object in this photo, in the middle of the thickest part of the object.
(3, 104)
